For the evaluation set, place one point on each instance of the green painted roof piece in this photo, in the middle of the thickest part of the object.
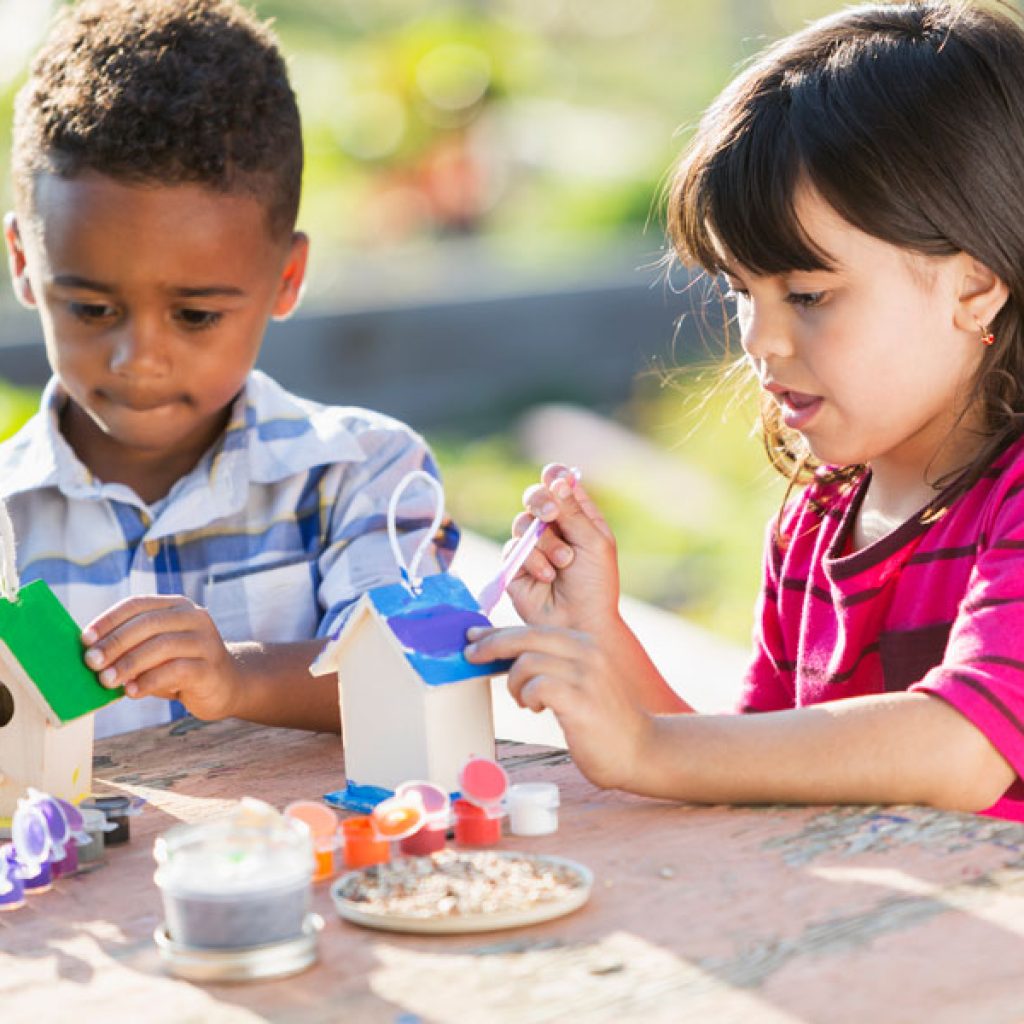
(48, 644)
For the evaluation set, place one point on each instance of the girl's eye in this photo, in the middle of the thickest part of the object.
(91, 312)
(198, 319)
(805, 300)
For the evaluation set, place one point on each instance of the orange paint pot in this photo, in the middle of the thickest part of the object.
(363, 847)
(476, 826)
(323, 826)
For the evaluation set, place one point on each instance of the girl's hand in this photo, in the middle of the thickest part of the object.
(569, 673)
(571, 578)
(164, 646)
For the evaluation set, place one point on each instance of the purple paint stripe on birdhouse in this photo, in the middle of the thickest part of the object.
(435, 631)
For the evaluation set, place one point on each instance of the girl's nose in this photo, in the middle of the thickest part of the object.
(764, 337)
(139, 350)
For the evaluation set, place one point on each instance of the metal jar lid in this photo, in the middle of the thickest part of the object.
(275, 960)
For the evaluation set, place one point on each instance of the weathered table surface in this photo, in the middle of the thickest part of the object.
(703, 914)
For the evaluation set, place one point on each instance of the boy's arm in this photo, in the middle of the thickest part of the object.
(277, 688)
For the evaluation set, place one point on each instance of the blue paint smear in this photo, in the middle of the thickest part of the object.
(431, 626)
(363, 799)
(358, 798)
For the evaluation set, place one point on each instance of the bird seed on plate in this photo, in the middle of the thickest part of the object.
(450, 883)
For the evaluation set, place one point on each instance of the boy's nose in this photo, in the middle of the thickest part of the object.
(138, 350)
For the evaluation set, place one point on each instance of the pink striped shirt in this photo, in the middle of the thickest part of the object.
(936, 607)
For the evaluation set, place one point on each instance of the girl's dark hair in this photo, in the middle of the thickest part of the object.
(908, 119)
(162, 92)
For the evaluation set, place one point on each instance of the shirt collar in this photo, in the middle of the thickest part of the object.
(270, 436)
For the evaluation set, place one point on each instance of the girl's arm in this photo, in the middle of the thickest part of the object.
(890, 748)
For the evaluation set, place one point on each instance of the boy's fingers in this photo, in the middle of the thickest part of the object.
(160, 649)
(166, 680)
(138, 629)
(127, 609)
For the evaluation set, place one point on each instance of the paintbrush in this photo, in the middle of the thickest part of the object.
(492, 591)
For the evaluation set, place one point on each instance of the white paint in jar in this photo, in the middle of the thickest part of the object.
(533, 808)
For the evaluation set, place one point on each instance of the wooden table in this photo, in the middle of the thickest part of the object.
(698, 914)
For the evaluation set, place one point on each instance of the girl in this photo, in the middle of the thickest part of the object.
(860, 189)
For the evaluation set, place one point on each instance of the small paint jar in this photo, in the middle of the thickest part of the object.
(68, 864)
(236, 882)
(475, 825)
(118, 810)
(40, 881)
(91, 854)
(12, 888)
(363, 846)
(533, 808)
(323, 826)
(426, 841)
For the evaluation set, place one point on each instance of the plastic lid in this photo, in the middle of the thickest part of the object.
(94, 820)
(30, 836)
(435, 800)
(322, 821)
(399, 816)
(53, 814)
(534, 794)
(483, 781)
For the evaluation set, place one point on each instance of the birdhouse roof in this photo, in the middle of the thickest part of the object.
(46, 642)
(429, 625)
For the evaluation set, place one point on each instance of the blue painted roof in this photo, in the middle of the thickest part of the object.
(431, 627)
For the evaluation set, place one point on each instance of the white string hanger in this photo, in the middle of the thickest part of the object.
(9, 582)
(410, 571)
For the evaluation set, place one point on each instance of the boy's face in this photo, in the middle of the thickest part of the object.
(153, 302)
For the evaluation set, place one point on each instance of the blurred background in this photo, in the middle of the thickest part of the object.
(483, 195)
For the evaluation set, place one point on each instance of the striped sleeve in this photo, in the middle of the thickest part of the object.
(982, 673)
(357, 554)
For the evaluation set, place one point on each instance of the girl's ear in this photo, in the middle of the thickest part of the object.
(289, 291)
(16, 261)
(982, 294)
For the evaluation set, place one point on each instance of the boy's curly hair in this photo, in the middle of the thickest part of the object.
(162, 92)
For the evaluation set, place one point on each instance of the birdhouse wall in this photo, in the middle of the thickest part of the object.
(383, 720)
(56, 760)
(460, 725)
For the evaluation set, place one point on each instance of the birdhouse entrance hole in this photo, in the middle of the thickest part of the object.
(6, 706)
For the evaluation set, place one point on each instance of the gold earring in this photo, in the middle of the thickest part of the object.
(987, 337)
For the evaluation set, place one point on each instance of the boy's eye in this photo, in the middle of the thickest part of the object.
(91, 312)
(198, 319)
(805, 300)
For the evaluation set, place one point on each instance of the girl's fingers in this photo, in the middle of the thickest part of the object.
(516, 640)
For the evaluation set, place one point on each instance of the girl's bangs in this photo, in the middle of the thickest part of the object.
(749, 187)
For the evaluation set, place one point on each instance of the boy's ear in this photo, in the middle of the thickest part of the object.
(293, 275)
(16, 261)
(982, 294)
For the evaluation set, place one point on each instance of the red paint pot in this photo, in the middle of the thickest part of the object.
(476, 826)
(425, 841)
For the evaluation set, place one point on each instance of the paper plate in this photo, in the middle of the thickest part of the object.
(358, 912)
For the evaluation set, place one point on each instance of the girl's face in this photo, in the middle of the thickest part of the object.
(870, 361)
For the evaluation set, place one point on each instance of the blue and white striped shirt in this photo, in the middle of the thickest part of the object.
(279, 528)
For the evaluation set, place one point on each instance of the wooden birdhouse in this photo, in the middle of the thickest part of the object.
(47, 694)
(412, 706)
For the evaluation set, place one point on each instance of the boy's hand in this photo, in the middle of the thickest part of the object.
(571, 674)
(164, 646)
(571, 578)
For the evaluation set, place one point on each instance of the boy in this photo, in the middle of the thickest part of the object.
(209, 527)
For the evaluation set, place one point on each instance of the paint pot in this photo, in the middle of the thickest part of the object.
(478, 814)
(475, 825)
(119, 812)
(323, 826)
(94, 824)
(363, 846)
(533, 809)
(432, 834)
(31, 837)
(236, 882)
(12, 888)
